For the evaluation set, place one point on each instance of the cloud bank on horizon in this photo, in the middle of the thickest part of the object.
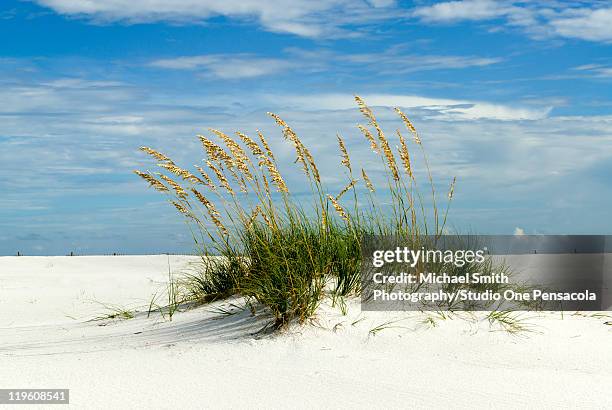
(510, 96)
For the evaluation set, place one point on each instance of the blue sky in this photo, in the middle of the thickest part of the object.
(512, 97)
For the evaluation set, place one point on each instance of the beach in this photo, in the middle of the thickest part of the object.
(213, 356)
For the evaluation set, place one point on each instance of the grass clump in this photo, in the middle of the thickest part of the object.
(259, 241)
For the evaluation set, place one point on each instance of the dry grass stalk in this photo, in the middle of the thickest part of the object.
(215, 152)
(267, 220)
(207, 181)
(367, 181)
(338, 208)
(240, 158)
(409, 125)
(451, 191)
(266, 183)
(222, 179)
(251, 144)
(265, 145)
(303, 154)
(253, 216)
(182, 209)
(277, 179)
(384, 143)
(210, 208)
(346, 160)
(365, 110)
(366, 132)
(390, 158)
(313, 165)
(183, 173)
(157, 155)
(405, 155)
(178, 190)
(152, 181)
(346, 188)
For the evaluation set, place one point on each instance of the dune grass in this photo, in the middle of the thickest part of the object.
(259, 241)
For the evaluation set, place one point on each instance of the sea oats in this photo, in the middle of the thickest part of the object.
(366, 133)
(365, 110)
(302, 153)
(384, 143)
(313, 165)
(178, 189)
(253, 216)
(451, 191)
(277, 179)
(210, 208)
(215, 152)
(210, 148)
(222, 179)
(182, 209)
(157, 155)
(207, 181)
(241, 160)
(406, 121)
(152, 181)
(183, 173)
(405, 155)
(390, 158)
(345, 189)
(267, 220)
(346, 161)
(338, 208)
(367, 181)
(265, 145)
(251, 144)
(409, 125)
(266, 184)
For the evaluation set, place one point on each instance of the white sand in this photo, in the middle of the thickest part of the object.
(204, 359)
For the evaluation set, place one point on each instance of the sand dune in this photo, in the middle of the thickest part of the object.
(204, 358)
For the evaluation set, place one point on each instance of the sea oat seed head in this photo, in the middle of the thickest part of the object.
(157, 155)
(405, 155)
(178, 189)
(338, 208)
(345, 189)
(368, 183)
(157, 185)
(346, 160)
(452, 189)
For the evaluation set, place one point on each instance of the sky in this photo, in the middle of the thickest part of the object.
(511, 97)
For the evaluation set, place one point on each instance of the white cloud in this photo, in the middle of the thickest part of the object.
(309, 18)
(240, 66)
(226, 66)
(595, 70)
(582, 20)
(394, 62)
(438, 108)
(586, 24)
(519, 231)
(462, 10)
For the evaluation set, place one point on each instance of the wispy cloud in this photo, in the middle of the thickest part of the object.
(300, 17)
(579, 19)
(595, 70)
(234, 66)
(393, 60)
